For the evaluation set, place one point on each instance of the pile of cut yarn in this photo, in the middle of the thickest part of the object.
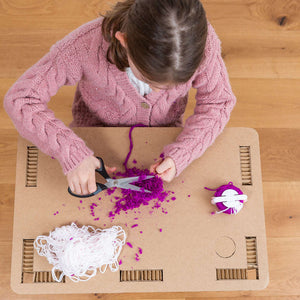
(130, 199)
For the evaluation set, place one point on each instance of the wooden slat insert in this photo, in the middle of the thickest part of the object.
(231, 274)
(46, 277)
(245, 165)
(31, 166)
(252, 258)
(141, 275)
(27, 259)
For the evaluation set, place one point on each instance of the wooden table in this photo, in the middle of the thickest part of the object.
(260, 48)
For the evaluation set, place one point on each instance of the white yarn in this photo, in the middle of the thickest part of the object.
(79, 252)
(231, 200)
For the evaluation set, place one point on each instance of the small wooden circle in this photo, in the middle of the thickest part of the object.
(225, 246)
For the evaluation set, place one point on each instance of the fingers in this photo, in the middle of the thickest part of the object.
(96, 162)
(84, 188)
(91, 184)
(166, 175)
(71, 186)
(165, 169)
(77, 188)
(153, 167)
(110, 170)
(164, 166)
(82, 180)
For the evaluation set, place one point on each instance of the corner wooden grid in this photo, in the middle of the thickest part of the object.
(250, 273)
(252, 265)
(46, 276)
(28, 275)
(141, 275)
(31, 166)
(245, 161)
(27, 261)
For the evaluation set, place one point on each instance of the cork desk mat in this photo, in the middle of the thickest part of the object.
(185, 248)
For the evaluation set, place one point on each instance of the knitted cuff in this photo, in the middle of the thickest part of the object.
(76, 156)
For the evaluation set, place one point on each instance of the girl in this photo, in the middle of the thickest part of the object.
(135, 65)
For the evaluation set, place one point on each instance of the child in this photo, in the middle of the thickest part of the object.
(135, 65)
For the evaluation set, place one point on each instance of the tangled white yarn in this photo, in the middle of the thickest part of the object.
(79, 252)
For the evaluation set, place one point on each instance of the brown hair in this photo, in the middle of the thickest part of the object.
(165, 38)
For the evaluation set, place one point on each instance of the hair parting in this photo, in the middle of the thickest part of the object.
(164, 39)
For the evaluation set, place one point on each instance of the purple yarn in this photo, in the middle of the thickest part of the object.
(219, 192)
(131, 199)
(131, 144)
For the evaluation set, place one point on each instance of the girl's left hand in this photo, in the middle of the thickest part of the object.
(165, 169)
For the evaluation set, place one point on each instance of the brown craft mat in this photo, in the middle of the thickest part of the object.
(193, 251)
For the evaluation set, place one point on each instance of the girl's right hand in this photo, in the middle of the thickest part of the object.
(82, 180)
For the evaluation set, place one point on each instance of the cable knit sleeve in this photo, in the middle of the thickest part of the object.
(214, 103)
(26, 104)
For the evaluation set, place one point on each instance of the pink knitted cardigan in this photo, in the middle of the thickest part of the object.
(105, 97)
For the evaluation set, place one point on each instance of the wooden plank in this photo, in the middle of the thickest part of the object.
(280, 154)
(30, 28)
(29, 31)
(5, 121)
(242, 297)
(8, 152)
(282, 210)
(259, 38)
(267, 103)
(263, 101)
(32, 14)
(284, 257)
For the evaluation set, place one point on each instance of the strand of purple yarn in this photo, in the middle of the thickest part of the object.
(131, 144)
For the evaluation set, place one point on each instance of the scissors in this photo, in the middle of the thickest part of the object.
(124, 183)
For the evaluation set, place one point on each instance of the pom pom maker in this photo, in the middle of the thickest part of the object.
(228, 198)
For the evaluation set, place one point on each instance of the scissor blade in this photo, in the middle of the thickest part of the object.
(125, 183)
(134, 188)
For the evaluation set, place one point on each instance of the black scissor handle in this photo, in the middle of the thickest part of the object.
(102, 170)
(100, 187)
